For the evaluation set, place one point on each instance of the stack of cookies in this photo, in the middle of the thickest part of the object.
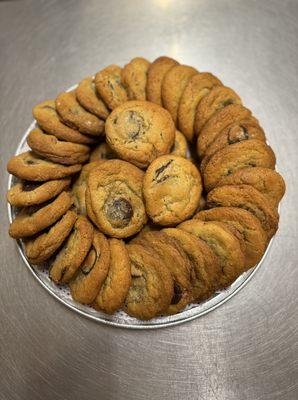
(147, 188)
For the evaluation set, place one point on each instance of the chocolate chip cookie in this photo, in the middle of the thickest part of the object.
(156, 72)
(26, 193)
(249, 153)
(48, 119)
(247, 197)
(92, 273)
(248, 226)
(102, 152)
(32, 220)
(224, 244)
(73, 253)
(42, 247)
(116, 198)
(115, 288)
(172, 189)
(134, 78)
(197, 87)
(75, 116)
(139, 132)
(30, 167)
(173, 85)
(108, 85)
(50, 148)
(88, 98)
(267, 181)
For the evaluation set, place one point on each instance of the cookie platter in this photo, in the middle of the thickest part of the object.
(222, 221)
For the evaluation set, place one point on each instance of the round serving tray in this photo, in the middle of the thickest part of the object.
(121, 319)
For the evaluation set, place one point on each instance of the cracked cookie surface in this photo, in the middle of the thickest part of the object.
(172, 189)
(139, 132)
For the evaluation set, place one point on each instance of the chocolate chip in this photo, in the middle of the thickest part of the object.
(118, 211)
(30, 162)
(227, 103)
(177, 293)
(237, 134)
(28, 186)
(161, 169)
(136, 124)
(89, 262)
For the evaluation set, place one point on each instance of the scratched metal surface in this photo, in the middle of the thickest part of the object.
(246, 349)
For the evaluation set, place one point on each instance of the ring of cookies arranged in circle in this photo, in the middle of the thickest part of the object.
(147, 188)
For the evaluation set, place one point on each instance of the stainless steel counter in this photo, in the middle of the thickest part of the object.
(246, 349)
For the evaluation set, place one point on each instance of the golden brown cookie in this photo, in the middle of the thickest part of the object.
(156, 72)
(197, 87)
(180, 147)
(172, 189)
(247, 197)
(146, 297)
(170, 252)
(267, 181)
(114, 290)
(224, 244)
(93, 271)
(89, 99)
(116, 198)
(108, 85)
(50, 148)
(42, 247)
(30, 167)
(173, 85)
(73, 253)
(79, 186)
(248, 226)
(246, 129)
(249, 153)
(102, 152)
(204, 261)
(32, 220)
(75, 116)
(218, 98)
(89, 210)
(24, 194)
(134, 78)
(140, 131)
(219, 121)
(48, 119)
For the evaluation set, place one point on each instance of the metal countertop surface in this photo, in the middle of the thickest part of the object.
(247, 348)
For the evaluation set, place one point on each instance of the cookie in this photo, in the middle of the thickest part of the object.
(204, 261)
(267, 181)
(170, 252)
(102, 152)
(71, 256)
(219, 121)
(249, 153)
(247, 197)
(108, 85)
(117, 283)
(50, 148)
(139, 132)
(197, 87)
(146, 297)
(223, 243)
(236, 132)
(218, 98)
(32, 220)
(79, 187)
(172, 189)
(89, 99)
(156, 72)
(30, 167)
(89, 210)
(42, 247)
(248, 226)
(92, 273)
(75, 116)
(173, 85)
(180, 147)
(116, 198)
(48, 119)
(26, 193)
(134, 78)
